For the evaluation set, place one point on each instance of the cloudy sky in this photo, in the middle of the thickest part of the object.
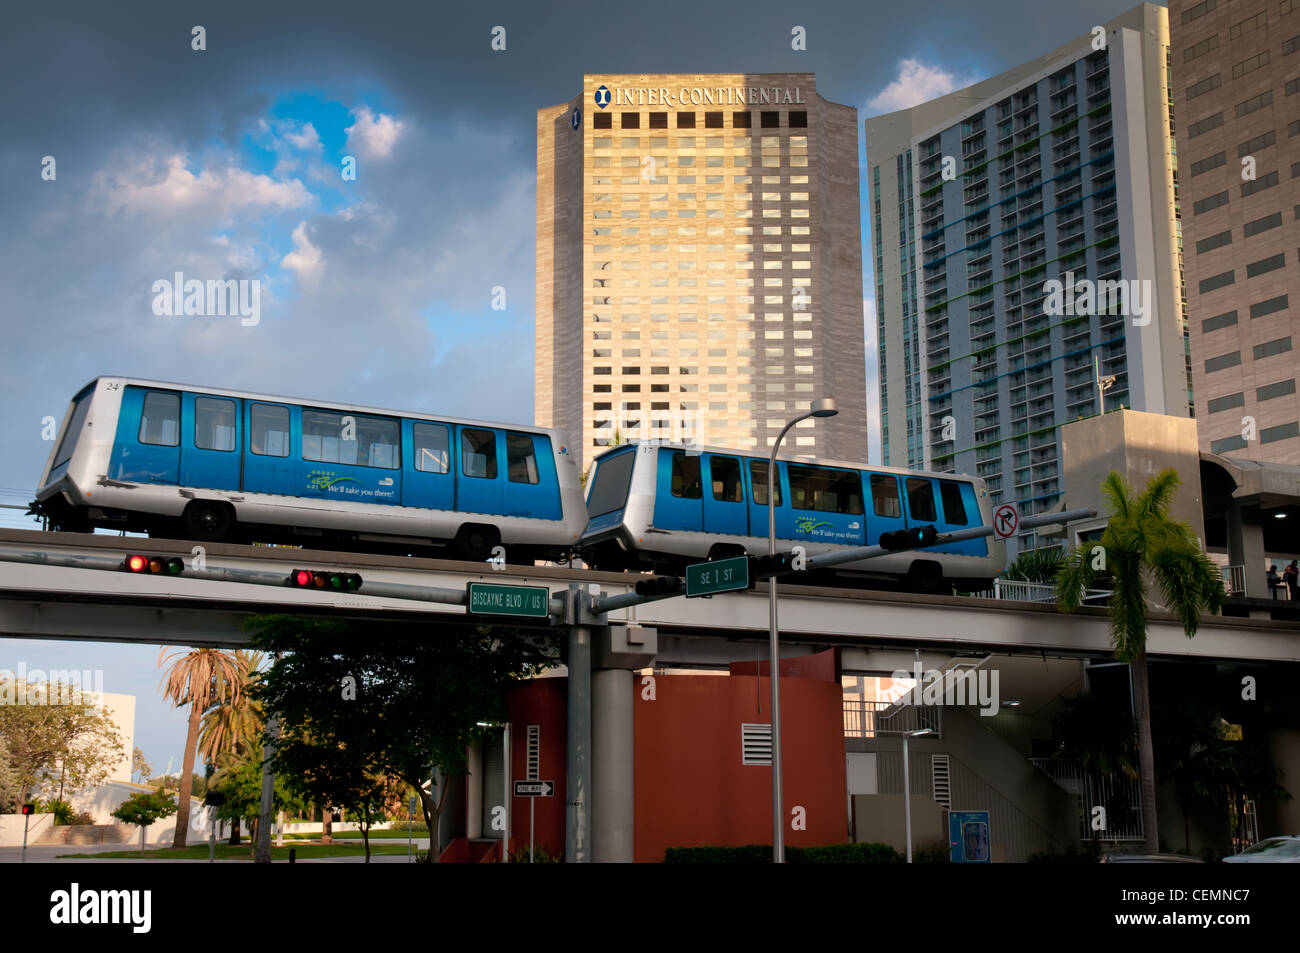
(225, 163)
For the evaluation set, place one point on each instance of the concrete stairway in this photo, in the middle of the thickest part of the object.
(91, 834)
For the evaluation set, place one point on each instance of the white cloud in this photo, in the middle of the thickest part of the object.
(373, 136)
(165, 187)
(306, 259)
(916, 83)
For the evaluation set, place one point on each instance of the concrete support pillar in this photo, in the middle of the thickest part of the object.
(577, 848)
(1246, 547)
(613, 813)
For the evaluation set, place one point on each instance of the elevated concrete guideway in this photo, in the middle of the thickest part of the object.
(56, 602)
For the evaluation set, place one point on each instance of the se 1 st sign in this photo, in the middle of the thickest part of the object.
(720, 575)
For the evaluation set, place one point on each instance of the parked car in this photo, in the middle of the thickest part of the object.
(1271, 850)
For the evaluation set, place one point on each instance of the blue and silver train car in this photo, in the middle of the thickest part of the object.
(213, 464)
(662, 506)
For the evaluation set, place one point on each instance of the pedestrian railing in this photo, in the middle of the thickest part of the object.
(868, 719)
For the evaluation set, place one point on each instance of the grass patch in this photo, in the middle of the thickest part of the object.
(416, 834)
(243, 852)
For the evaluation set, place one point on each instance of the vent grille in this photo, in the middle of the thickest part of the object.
(940, 780)
(534, 753)
(755, 744)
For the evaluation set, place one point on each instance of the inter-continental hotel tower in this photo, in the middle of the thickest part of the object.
(699, 265)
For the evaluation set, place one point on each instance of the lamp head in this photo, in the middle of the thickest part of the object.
(825, 407)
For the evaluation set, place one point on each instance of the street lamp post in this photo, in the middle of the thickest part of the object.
(821, 408)
(907, 787)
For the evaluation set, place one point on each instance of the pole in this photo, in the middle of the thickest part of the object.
(577, 848)
(907, 801)
(262, 854)
(774, 653)
(26, 820)
(532, 801)
(212, 837)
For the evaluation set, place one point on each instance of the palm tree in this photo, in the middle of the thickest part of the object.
(234, 725)
(198, 679)
(1141, 542)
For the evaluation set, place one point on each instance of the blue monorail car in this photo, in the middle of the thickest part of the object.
(213, 464)
(660, 507)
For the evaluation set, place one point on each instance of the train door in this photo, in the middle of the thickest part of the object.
(532, 487)
(758, 501)
(886, 509)
(428, 482)
(147, 448)
(270, 452)
(724, 499)
(922, 507)
(210, 442)
(959, 510)
(679, 495)
(480, 477)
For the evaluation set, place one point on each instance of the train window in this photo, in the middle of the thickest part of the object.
(686, 476)
(612, 480)
(160, 422)
(954, 509)
(478, 450)
(884, 496)
(521, 458)
(920, 499)
(270, 430)
(352, 439)
(432, 448)
(826, 490)
(214, 423)
(758, 478)
(69, 442)
(727, 485)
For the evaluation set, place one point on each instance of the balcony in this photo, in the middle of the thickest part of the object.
(869, 719)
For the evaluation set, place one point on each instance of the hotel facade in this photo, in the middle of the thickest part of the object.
(1237, 86)
(699, 267)
(997, 211)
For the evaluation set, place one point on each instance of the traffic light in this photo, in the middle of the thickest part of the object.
(914, 537)
(156, 565)
(323, 580)
(29, 808)
(766, 566)
(658, 586)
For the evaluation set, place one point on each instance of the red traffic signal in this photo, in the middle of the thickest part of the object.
(29, 808)
(155, 565)
(330, 581)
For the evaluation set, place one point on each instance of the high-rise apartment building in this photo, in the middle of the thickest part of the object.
(1237, 85)
(1003, 217)
(699, 267)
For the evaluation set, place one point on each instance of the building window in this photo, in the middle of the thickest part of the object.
(1205, 125)
(1251, 146)
(1280, 432)
(1259, 185)
(1214, 241)
(1215, 282)
(1262, 224)
(1235, 442)
(799, 119)
(686, 120)
(602, 121)
(1222, 362)
(1205, 85)
(1265, 265)
(770, 119)
(1280, 389)
(1261, 308)
(1220, 404)
(658, 120)
(431, 447)
(740, 121)
(1211, 162)
(631, 121)
(713, 120)
(1219, 321)
(1255, 102)
(1272, 348)
(1210, 202)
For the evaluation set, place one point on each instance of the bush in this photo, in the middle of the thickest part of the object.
(762, 854)
(934, 853)
(62, 811)
(83, 817)
(540, 856)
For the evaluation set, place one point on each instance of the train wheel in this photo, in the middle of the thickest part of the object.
(474, 543)
(207, 521)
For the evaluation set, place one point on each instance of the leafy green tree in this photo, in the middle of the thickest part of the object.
(198, 678)
(242, 786)
(361, 700)
(1143, 544)
(75, 743)
(145, 808)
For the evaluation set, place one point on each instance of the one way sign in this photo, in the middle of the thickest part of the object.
(534, 788)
